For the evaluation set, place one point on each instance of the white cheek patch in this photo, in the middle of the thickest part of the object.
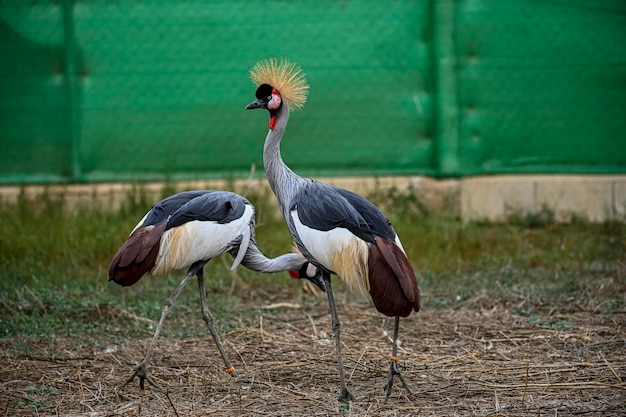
(274, 103)
(310, 270)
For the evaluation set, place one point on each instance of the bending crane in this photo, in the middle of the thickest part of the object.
(188, 230)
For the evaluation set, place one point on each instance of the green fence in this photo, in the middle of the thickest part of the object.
(150, 90)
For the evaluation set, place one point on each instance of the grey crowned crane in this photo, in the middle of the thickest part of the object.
(338, 231)
(188, 229)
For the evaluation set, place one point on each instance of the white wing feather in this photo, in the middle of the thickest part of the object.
(201, 240)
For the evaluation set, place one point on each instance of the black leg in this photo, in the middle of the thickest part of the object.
(208, 319)
(393, 366)
(140, 370)
(345, 395)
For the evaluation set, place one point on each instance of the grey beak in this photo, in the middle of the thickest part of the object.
(258, 104)
(317, 280)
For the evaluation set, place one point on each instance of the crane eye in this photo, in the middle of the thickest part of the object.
(269, 98)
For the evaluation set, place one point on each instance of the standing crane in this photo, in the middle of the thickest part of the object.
(188, 229)
(337, 230)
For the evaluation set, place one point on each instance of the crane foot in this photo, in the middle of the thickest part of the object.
(140, 372)
(394, 371)
(346, 395)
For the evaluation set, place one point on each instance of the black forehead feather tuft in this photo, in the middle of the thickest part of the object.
(264, 90)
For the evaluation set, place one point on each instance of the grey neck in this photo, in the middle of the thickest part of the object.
(257, 261)
(283, 181)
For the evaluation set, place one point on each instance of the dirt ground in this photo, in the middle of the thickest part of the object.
(479, 359)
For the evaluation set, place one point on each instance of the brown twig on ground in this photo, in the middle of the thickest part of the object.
(505, 366)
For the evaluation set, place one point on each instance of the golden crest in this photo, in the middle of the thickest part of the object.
(285, 76)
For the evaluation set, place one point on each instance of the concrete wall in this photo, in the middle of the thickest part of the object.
(596, 198)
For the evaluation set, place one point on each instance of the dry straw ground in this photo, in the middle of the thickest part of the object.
(479, 359)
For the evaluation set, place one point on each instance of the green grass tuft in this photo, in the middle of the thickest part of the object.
(55, 260)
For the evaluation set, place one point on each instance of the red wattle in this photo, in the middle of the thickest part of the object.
(272, 122)
(294, 274)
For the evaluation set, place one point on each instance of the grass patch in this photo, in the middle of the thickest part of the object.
(55, 258)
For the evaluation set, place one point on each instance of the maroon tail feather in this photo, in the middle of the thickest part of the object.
(393, 287)
(137, 255)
